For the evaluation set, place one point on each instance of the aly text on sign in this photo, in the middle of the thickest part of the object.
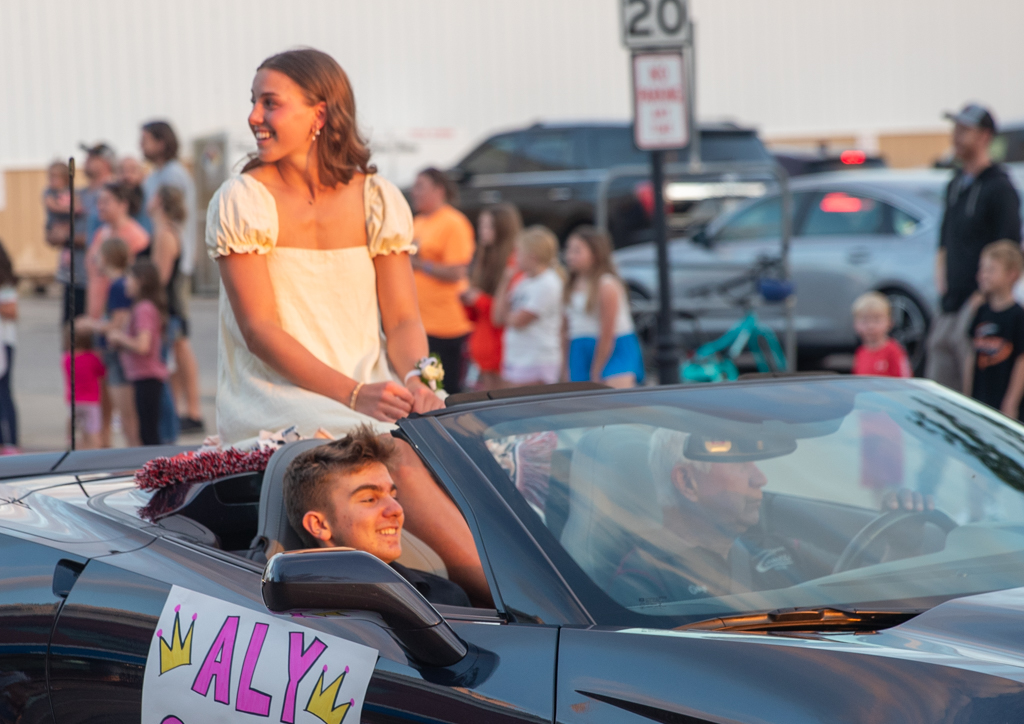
(659, 101)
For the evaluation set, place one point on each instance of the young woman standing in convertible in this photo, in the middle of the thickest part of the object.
(313, 250)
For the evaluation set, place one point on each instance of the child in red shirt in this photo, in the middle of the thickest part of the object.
(878, 354)
(881, 441)
(497, 229)
(89, 374)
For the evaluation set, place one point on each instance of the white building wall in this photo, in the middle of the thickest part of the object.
(434, 76)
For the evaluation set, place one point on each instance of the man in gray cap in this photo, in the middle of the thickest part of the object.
(982, 206)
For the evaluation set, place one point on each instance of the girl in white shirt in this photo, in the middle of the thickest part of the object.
(530, 310)
(603, 346)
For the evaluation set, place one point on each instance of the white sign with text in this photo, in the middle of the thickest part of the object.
(212, 661)
(655, 23)
(660, 98)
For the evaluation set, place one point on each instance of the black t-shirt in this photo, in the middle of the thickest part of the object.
(433, 588)
(649, 576)
(998, 339)
(977, 213)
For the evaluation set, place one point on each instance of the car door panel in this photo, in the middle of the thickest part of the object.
(839, 254)
(513, 683)
(105, 628)
(643, 675)
(100, 643)
(28, 609)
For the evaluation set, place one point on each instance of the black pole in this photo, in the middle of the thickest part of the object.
(71, 296)
(667, 354)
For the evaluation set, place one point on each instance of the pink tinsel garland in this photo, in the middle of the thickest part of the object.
(193, 467)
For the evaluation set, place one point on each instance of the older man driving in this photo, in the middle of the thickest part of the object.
(709, 510)
(341, 494)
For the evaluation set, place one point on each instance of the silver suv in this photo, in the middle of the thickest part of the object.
(874, 230)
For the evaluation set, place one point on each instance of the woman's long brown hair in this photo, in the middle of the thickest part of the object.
(490, 261)
(340, 150)
(150, 288)
(600, 245)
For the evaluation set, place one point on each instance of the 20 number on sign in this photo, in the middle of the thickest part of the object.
(655, 23)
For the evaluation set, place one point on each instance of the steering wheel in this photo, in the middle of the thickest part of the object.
(882, 526)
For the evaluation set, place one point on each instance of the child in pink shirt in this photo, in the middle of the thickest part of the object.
(89, 374)
(140, 344)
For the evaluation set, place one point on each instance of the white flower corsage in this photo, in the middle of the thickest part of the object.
(431, 372)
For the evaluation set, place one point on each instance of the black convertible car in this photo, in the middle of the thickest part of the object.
(805, 549)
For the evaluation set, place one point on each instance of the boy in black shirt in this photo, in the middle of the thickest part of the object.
(995, 372)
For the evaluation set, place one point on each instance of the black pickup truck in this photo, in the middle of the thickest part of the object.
(553, 173)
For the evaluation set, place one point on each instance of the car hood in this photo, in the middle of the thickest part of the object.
(962, 661)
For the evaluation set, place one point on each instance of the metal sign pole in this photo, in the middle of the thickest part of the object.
(667, 354)
(71, 296)
(690, 54)
(660, 36)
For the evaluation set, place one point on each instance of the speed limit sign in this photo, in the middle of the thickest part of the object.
(655, 23)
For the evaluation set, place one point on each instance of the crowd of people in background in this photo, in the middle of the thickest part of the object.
(504, 303)
(132, 257)
(498, 306)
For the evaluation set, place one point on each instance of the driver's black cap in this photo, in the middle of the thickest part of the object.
(974, 116)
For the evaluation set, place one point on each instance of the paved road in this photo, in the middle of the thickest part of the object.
(39, 384)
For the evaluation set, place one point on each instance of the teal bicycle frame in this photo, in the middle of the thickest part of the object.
(708, 364)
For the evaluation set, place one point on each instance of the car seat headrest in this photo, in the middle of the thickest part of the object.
(275, 533)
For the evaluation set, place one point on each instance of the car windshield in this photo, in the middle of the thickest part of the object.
(664, 507)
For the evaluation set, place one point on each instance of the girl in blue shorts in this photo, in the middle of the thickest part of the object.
(602, 345)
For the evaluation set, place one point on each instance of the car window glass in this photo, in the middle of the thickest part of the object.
(903, 223)
(747, 498)
(727, 146)
(546, 151)
(838, 213)
(761, 220)
(614, 147)
(494, 156)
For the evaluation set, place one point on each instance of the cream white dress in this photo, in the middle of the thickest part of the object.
(327, 301)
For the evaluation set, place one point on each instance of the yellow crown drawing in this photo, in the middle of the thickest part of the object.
(321, 700)
(179, 651)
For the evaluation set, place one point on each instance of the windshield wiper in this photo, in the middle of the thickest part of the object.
(805, 619)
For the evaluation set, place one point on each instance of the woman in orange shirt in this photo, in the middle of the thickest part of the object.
(444, 240)
(497, 229)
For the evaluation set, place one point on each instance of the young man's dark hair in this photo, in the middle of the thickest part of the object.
(303, 480)
(341, 494)
(162, 132)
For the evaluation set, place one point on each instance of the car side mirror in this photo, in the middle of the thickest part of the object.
(342, 579)
(701, 238)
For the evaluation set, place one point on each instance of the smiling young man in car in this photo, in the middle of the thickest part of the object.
(341, 494)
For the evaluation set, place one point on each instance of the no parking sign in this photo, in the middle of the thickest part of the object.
(660, 100)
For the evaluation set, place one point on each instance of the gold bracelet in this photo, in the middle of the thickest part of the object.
(355, 395)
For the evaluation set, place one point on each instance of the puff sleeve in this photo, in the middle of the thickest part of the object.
(388, 218)
(241, 219)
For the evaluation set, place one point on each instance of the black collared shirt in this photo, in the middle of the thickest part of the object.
(433, 588)
(649, 576)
